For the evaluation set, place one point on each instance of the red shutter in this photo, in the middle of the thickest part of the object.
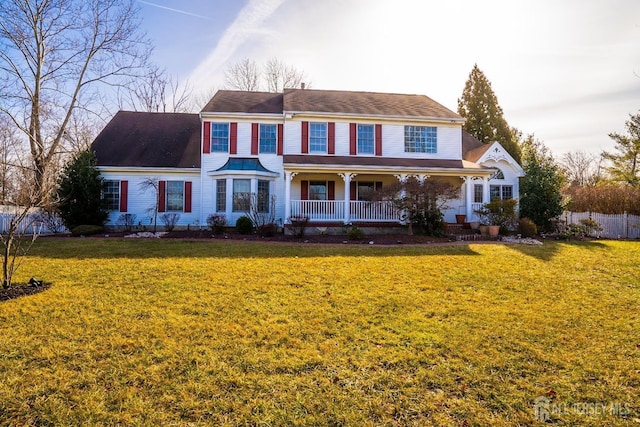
(233, 138)
(304, 138)
(331, 149)
(162, 190)
(304, 190)
(378, 140)
(353, 130)
(352, 191)
(206, 137)
(187, 196)
(124, 195)
(280, 139)
(254, 139)
(331, 190)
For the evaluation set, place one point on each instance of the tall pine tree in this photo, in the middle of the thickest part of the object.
(485, 120)
(625, 164)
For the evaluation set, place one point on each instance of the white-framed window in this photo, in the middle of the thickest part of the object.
(268, 138)
(502, 192)
(219, 137)
(477, 193)
(364, 191)
(263, 195)
(317, 190)
(365, 140)
(241, 193)
(317, 137)
(111, 194)
(221, 195)
(175, 196)
(420, 139)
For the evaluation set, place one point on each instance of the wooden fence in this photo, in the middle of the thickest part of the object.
(621, 226)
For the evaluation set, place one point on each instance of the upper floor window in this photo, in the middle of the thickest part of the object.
(219, 137)
(420, 139)
(318, 137)
(365, 139)
(175, 195)
(268, 138)
(111, 194)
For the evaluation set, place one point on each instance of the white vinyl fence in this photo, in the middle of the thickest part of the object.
(34, 223)
(621, 226)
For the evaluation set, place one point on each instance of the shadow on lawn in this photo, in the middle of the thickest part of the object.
(551, 248)
(132, 249)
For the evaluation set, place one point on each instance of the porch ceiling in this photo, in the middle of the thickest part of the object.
(382, 165)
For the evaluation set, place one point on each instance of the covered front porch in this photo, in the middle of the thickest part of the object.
(343, 194)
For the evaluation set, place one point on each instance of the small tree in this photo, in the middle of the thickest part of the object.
(421, 201)
(625, 163)
(17, 241)
(152, 184)
(541, 188)
(79, 192)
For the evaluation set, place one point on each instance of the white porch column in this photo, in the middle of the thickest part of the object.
(485, 190)
(468, 194)
(403, 179)
(288, 177)
(347, 177)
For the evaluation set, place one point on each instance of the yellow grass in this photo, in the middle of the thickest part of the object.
(215, 333)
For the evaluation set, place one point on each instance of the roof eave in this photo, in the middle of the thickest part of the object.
(430, 119)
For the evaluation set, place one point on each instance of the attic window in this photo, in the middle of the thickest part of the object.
(497, 175)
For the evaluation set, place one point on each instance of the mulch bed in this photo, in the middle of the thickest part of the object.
(377, 239)
(17, 291)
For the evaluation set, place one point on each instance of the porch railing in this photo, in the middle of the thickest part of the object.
(318, 210)
(373, 211)
(333, 210)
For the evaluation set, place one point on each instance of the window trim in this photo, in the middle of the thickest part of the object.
(275, 138)
(424, 147)
(326, 138)
(211, 146)
(373, 139)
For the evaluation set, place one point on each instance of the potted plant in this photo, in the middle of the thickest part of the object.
(497, 216)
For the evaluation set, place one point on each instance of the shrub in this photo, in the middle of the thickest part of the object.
(217, 222)
(590, 226)
(527, 228)
(87, 230)
(244, 225)
(298, 225)
(355, 233)
(170, 220)
(51, 221)
(267, 230)
(126, 221)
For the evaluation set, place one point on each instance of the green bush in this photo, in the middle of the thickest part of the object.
(527, 228)
(244, 225)
(355, 233)
(87, 230)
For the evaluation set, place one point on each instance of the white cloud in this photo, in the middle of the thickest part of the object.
(247, 24)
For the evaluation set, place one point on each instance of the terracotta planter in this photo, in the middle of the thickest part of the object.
(494, 230)
(474, 225)
(484, 230)
(460, 219)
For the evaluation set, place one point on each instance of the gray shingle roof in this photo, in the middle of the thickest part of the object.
(329, 101)
(139, 139)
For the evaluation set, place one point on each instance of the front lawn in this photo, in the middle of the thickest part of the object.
(207, 333)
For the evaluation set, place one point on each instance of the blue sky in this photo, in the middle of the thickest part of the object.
(566, 70)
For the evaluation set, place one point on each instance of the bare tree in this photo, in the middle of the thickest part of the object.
(274, 76)
(280, 76)
(54, 55)
(157, 91)
(152, 184)
(243, 75)
(581, 168)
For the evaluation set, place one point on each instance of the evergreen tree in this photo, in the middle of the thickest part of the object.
(625, 164)
(540, 189)
(485, 120)
(79, 192)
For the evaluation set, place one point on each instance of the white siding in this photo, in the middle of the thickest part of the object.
(510, 175)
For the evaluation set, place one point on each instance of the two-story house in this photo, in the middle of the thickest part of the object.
(320, 153)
